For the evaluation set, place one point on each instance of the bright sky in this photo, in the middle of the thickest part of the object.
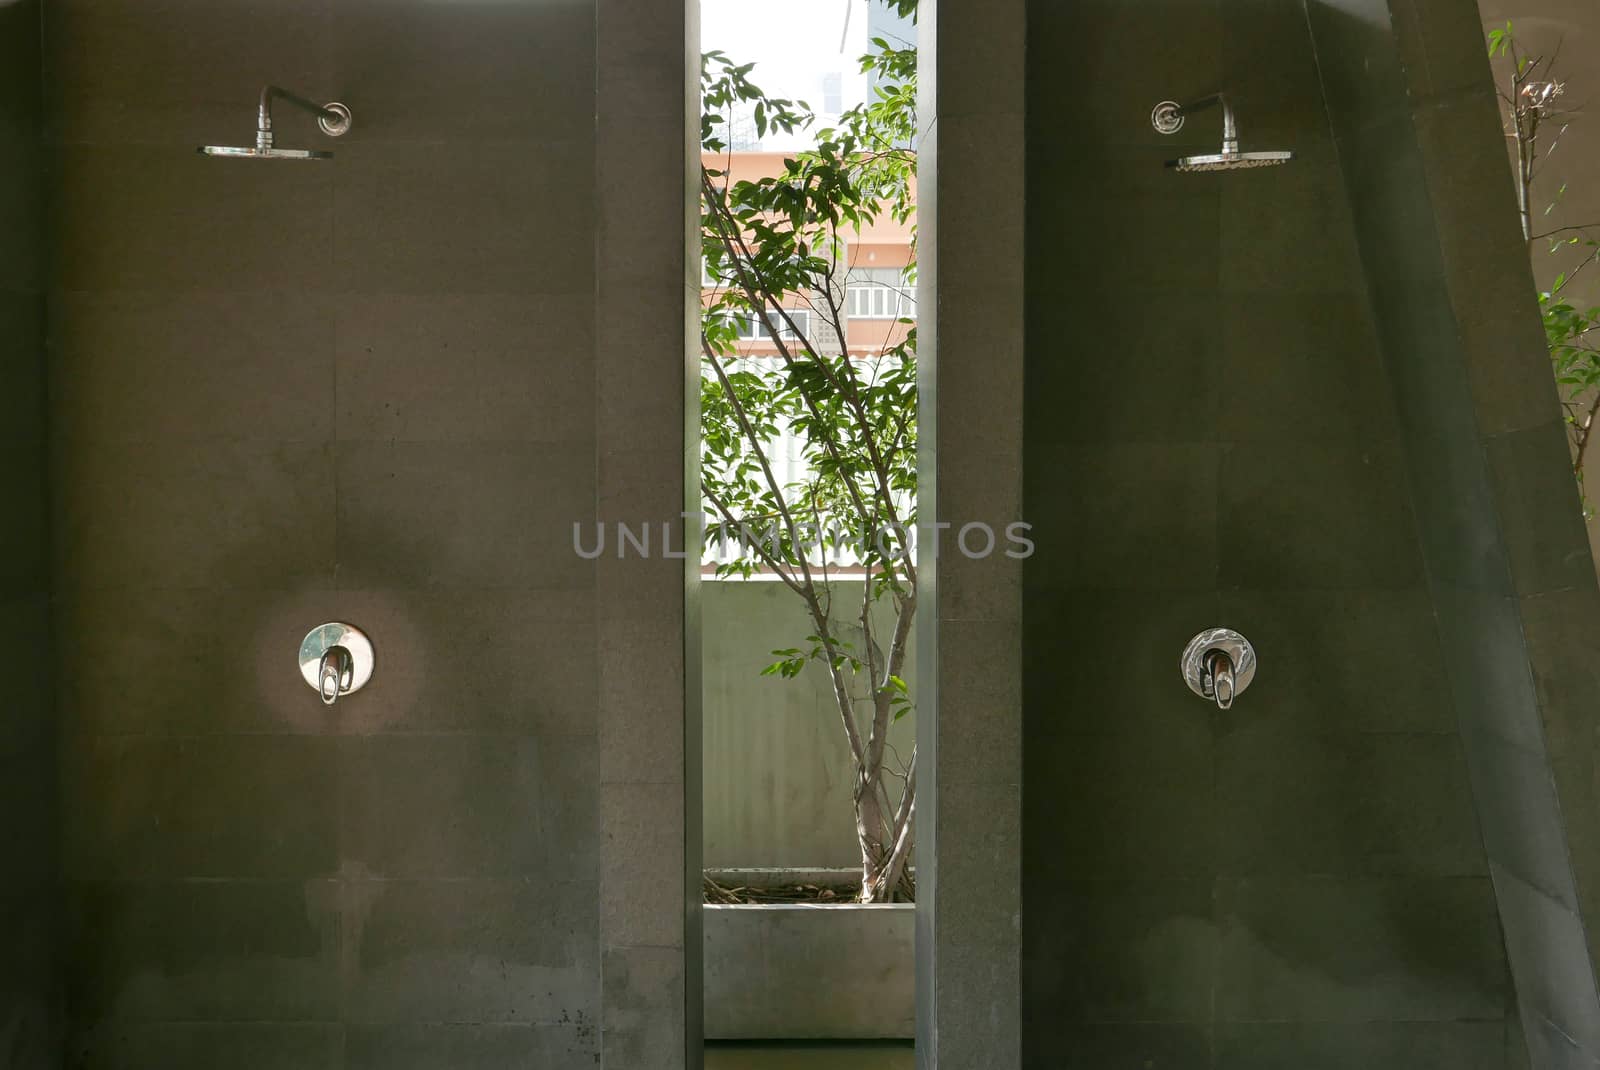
(794, 44)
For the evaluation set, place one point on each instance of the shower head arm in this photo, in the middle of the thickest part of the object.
(1230, 130)
(331, 121)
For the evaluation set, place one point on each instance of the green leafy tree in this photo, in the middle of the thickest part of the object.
(772, 244)
(1531, 97)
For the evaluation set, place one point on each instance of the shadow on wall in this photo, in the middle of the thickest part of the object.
(30, 1015)
(1417, 122)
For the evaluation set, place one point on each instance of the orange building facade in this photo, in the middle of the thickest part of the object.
(877, 296)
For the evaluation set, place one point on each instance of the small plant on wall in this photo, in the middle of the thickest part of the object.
(775, 253)
(1533, 102)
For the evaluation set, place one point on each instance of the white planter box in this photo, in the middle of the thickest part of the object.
(810, 972)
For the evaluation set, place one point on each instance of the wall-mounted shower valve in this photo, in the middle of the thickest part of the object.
(336, 659)
(1218, 664)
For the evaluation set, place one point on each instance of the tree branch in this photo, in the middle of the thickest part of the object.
(904, 822)
(761, 296)
(1563, 230)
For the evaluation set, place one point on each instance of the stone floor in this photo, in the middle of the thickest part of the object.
(724, 1056)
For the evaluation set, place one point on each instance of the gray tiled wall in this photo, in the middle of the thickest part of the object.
(1211, 439)
(287, 393)
(1416, 119)
(29, 989)
(645, 176)
(969, 710)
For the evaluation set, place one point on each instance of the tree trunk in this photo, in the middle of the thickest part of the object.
(886, 839)
(871, 824)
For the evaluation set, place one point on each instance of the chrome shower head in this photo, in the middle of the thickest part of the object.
(332, 118)
(1237, 161)
(245, 152)
(1167, 118)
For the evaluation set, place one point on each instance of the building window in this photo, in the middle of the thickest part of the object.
(880, 294)
(753, 329)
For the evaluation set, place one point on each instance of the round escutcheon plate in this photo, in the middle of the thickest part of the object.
(325, 637)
